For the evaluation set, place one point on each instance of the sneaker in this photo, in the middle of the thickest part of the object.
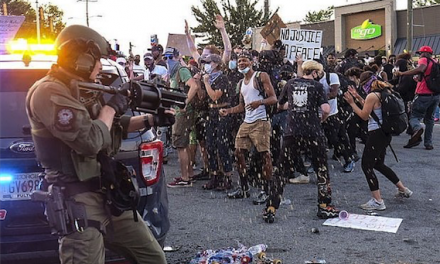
(224, 185)
(404, 194)
(261, 198)
(429, 147)
(301, 179)
(179, 182)
(349, 167)
(373, 204)
(415, 139)
(356, 157)
(269, 214)
(238, 194)
(204, 175)
(327, 212)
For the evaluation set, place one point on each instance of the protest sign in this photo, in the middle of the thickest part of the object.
(271, 31)
(9, 25)
(178, 41)
(367, 222)
(304, 42)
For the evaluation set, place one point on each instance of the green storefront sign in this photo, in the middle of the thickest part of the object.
(366, 31)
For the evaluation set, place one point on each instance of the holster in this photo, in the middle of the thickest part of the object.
(64, 214)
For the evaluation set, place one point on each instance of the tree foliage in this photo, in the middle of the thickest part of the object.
(238, 17)
(29, 29)
(319, 16)
(418, 3)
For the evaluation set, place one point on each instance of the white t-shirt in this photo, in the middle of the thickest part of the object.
(158, 70)
(334, 79)
(138, 70)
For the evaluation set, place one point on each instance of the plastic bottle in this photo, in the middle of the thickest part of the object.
(257, 249)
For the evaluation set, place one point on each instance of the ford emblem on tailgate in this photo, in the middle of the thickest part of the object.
(23, 147)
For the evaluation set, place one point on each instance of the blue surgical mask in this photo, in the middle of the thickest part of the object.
(245, 70)
(208, 68)
(232, 64)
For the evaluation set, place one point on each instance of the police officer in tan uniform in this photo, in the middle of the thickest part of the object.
(69, 130)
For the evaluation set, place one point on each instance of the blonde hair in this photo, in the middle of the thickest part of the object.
(380, 85)
(311, 65)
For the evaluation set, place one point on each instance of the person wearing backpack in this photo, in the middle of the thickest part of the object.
(377, 142)
(426, 100)
(255, 129)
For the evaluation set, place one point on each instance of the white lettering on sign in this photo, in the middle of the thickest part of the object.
(302, 42)
(364, 32)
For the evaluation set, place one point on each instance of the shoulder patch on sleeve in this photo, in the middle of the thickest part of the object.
(65, 118)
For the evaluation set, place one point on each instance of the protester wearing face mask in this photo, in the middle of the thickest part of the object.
(254, 131)
(306, 98)
(217, 127)
(234, 76)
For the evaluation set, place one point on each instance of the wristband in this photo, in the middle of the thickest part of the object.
(146, 122)
(261, 101)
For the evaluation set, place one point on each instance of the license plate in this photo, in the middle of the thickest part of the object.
(20, 188)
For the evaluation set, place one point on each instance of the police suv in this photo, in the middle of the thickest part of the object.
(25, 233)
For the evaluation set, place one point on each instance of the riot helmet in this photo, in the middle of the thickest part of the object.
(79, 48)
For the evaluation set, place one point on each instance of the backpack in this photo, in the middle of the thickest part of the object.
(433, 79)
(258, 84)
(394, 118)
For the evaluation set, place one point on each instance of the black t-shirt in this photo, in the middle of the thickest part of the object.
(234, 77)
(305, 98)
(221, 83)
(388, 69)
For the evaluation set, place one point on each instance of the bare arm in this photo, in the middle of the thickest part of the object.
(325, 109)
(106, 115)
(334, 89)
(420, 69)
(137, 122)
(213, 94)
(364, 113)
(191, 45)
(192, 90)
(268, 88)
(220, 25)
(233, 110)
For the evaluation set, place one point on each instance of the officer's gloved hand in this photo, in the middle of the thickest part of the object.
(163, 119)
(118, 102)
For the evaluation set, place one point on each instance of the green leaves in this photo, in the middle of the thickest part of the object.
(238, 17)
(28, 28)
(319, 16)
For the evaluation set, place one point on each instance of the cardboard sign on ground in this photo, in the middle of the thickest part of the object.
(178, 41)
(367, 222)
(271, 31)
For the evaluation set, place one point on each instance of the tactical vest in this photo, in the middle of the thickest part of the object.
(54, 154)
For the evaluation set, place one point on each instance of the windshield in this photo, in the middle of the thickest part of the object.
(13, 89)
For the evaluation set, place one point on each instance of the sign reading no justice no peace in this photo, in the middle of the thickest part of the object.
(302, 42)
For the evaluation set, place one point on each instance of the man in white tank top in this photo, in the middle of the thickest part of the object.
(255, 130)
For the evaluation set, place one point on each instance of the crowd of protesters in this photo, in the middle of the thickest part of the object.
(271, 117)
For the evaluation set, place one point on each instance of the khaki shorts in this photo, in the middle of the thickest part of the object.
(257, 134)
(182, 128)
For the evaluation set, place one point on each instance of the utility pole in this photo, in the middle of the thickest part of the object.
(87, 9)
(409, 26)
(38, 21)
(266, 7)
(5, 9)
